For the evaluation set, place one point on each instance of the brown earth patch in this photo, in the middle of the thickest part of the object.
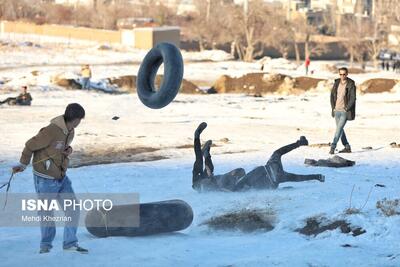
(244, 220)
(317, 225)
(94, 156)
(261, 83)
(90, 156)
(128, 83)
(377, 85)
(306, 83)
(249, 83)
(320, 145)
(66, 83)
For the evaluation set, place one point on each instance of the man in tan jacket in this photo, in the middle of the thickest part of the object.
(50, 149)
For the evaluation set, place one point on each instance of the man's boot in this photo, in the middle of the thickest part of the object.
(77, 248)
(332, 151)
(302, 141)
(44, 250)
(346, 149)
(200, 129)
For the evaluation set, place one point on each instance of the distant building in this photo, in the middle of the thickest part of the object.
(147, 38)
(394, 36)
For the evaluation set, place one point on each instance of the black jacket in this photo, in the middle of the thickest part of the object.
(24, 99)
(349, 99)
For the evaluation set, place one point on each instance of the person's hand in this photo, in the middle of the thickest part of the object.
(67, 151)
(18, 168)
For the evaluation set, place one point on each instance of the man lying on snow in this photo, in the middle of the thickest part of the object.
(23, 99)
(268, 176)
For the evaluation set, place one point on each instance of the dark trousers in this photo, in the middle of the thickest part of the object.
(199, 171)
(9, 100)
(281, 176)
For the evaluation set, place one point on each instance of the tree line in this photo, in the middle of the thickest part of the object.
(247, 29)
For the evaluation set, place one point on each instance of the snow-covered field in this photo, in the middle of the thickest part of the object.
(255, 127)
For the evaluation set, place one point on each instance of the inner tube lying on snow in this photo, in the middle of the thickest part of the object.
(154, 218)
(172, 79)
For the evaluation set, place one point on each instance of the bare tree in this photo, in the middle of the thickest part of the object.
(207, 26)
(282, 36)
(303, 32)
(19, 9)
(249, 26)
(354, 35)
(386, 12)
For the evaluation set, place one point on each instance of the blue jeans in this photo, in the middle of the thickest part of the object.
(86, 83)
(59, 190)
(341, 119)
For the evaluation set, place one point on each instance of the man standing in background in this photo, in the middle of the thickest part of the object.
(343, 104)
(86, 74)
(307, 64)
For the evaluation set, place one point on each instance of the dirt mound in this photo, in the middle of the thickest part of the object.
(187, 87)
(128, 83)
(377, 85)
(306, 83)
(67, 83)
(260, 83)
(249, 83)
(244, 220)
(317, 225)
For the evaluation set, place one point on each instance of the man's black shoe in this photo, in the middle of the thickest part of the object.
(302, 141)
(346, 149)
(200, 129)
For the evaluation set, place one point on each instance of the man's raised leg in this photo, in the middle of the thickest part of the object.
(286, 149)
(291, 177)
(198, 164)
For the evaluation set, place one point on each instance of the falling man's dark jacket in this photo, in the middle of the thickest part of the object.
(349, 99)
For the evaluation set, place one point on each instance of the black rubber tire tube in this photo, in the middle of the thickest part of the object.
(170, 55)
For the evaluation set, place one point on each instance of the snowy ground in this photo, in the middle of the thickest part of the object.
(255, 128)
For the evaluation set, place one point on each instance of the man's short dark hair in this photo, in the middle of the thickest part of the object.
(345, 69)
(74, 111)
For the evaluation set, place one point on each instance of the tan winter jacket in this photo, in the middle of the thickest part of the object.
(47, 147)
